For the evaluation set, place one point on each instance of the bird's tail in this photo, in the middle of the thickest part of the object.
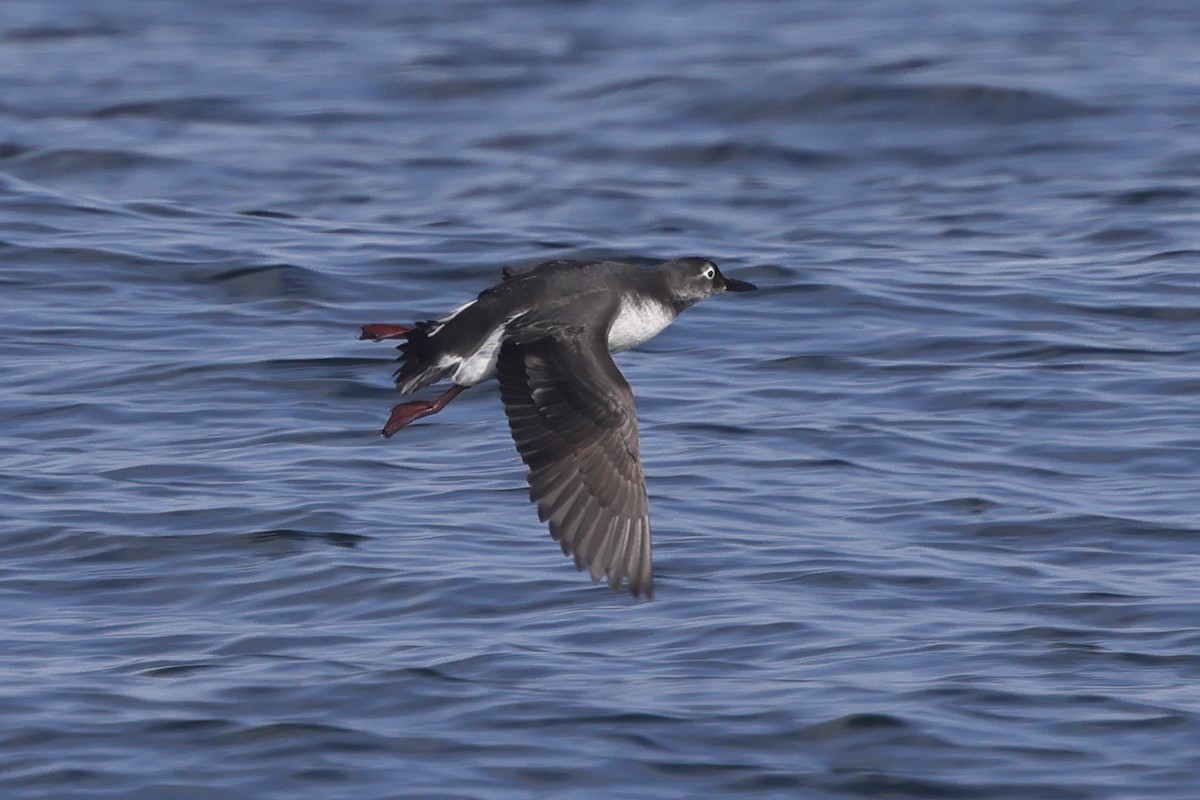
(421, 361)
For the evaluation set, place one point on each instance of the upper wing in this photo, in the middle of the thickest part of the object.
(573, 419)
(508, 272)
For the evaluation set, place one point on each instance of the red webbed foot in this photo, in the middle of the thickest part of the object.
(407, 412)
(379, 331)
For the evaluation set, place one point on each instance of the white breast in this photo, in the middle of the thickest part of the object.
(637, 322)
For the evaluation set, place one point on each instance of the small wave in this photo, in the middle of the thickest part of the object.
(1084, 527)
(12, 150)
(654, 85)
(262, 281)
(76, 161)
(185, 671)
(1170, 255)
(1154, 194)
(185, 109)
(1052, 353)
(737, 152)
(975, 103)
(266, 213)
(905, 65)
(1116, 235)
(859, 722)
(60, 33)
(297, 536)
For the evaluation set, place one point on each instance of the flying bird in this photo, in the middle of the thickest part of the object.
(548, 334)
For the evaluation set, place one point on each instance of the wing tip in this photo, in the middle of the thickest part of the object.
(642, 591)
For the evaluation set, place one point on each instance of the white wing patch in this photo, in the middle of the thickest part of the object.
(481, 365)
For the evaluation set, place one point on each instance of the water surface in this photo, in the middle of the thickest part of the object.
(925, 506)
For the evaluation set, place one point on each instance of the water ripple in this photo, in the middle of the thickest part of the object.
(925, 505)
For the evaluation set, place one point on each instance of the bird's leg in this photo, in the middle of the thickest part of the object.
(379, 331)
(407, 412)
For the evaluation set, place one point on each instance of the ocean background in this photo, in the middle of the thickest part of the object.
(926, 507)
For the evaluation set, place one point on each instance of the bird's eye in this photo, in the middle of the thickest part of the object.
(710, 273)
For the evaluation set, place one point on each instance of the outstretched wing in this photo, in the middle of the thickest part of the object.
(573, 419)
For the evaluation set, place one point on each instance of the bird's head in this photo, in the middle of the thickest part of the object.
(694, 279)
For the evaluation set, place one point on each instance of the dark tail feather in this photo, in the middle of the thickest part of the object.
(418, 359)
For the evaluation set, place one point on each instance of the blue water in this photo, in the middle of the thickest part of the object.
(926, 507)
